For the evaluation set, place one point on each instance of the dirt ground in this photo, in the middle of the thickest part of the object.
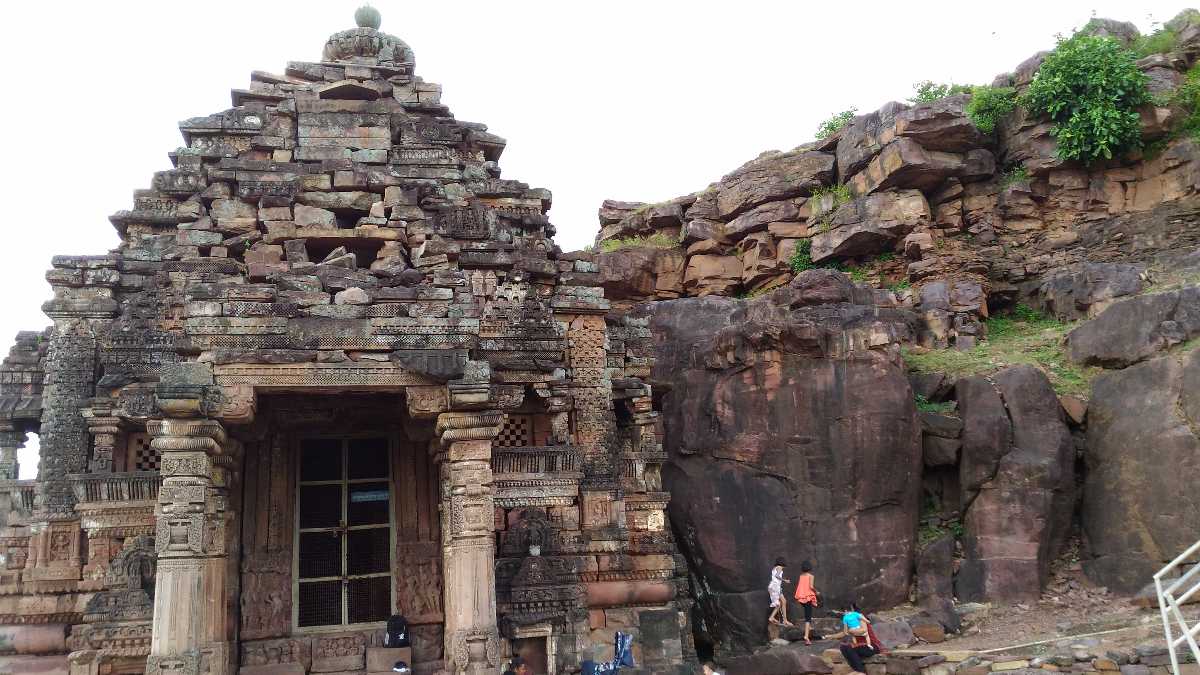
(1069, 611)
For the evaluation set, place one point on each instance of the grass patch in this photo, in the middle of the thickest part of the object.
(836, 195)
(930, 532)
(902, 285)
(835, 123)
(1017, 174)
(1024, 336)
(656, 240)
(925, 405)
(857, 274)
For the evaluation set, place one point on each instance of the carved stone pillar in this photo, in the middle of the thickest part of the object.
(191, 617)
(11, 441)
(105, 429)
(468, 541)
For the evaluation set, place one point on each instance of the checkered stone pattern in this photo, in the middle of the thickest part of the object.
(142, 457)
(517, 432)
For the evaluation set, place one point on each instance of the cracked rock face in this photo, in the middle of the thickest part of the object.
(791, 431)
(1017, 481)
(1140, 502)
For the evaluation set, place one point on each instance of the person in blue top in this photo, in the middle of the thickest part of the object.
(853, 619)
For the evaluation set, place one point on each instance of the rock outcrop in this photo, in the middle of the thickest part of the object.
(768, 404)
(1018, 483)
(1137, 328)
(1141, 507)
(791, 431)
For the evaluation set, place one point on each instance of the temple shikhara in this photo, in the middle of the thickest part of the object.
(336, 370)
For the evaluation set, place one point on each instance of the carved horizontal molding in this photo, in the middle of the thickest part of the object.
(318, 375)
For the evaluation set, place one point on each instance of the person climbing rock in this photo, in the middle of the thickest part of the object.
(775, 589)
(808, 597)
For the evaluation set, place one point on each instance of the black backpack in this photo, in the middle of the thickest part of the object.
(397, 632)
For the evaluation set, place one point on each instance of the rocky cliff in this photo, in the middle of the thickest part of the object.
(996, 363)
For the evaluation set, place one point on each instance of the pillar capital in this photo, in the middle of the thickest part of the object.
(458, 426)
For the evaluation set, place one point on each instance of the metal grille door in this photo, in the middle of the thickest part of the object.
(344, 532)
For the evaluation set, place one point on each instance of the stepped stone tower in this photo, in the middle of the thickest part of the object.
(336, 370)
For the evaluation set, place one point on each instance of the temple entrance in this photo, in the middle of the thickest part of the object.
(344, 532)
(340, 527)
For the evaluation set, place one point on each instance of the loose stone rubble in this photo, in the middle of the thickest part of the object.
(334, 256)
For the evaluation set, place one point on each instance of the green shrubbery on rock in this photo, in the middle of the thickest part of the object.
(835, 123)
(1090, 87)
(802, 258)
(926, 91)
(989, 105)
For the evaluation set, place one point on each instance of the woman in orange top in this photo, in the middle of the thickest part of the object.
(807, 596)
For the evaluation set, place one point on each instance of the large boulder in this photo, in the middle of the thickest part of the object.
(940, 125)
(1089, 288)
(864, 137)
(712, 275)
(643, 220)
(1137, 328)
(1141, 507)
(773, 177)
(791, 430)
(870, 224)
(641, 273)
(760, 217)
(903, 163)
(1018, 483)
(1026, 140)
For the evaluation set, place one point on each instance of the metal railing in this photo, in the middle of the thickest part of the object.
(1173, 593)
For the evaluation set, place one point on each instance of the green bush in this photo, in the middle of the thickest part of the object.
(1187, 96)
(1090, 88)
(925, 405)
(989, 105)
(927, 90)
(834, 124)
(802, 258)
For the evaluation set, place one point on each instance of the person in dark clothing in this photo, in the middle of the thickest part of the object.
(858, 648)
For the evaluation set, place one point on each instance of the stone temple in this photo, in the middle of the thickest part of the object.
(336, 370)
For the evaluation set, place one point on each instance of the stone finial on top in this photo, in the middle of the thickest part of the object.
(367, 44)
(368, 17)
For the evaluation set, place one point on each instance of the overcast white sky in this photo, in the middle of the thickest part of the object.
(642, 100)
